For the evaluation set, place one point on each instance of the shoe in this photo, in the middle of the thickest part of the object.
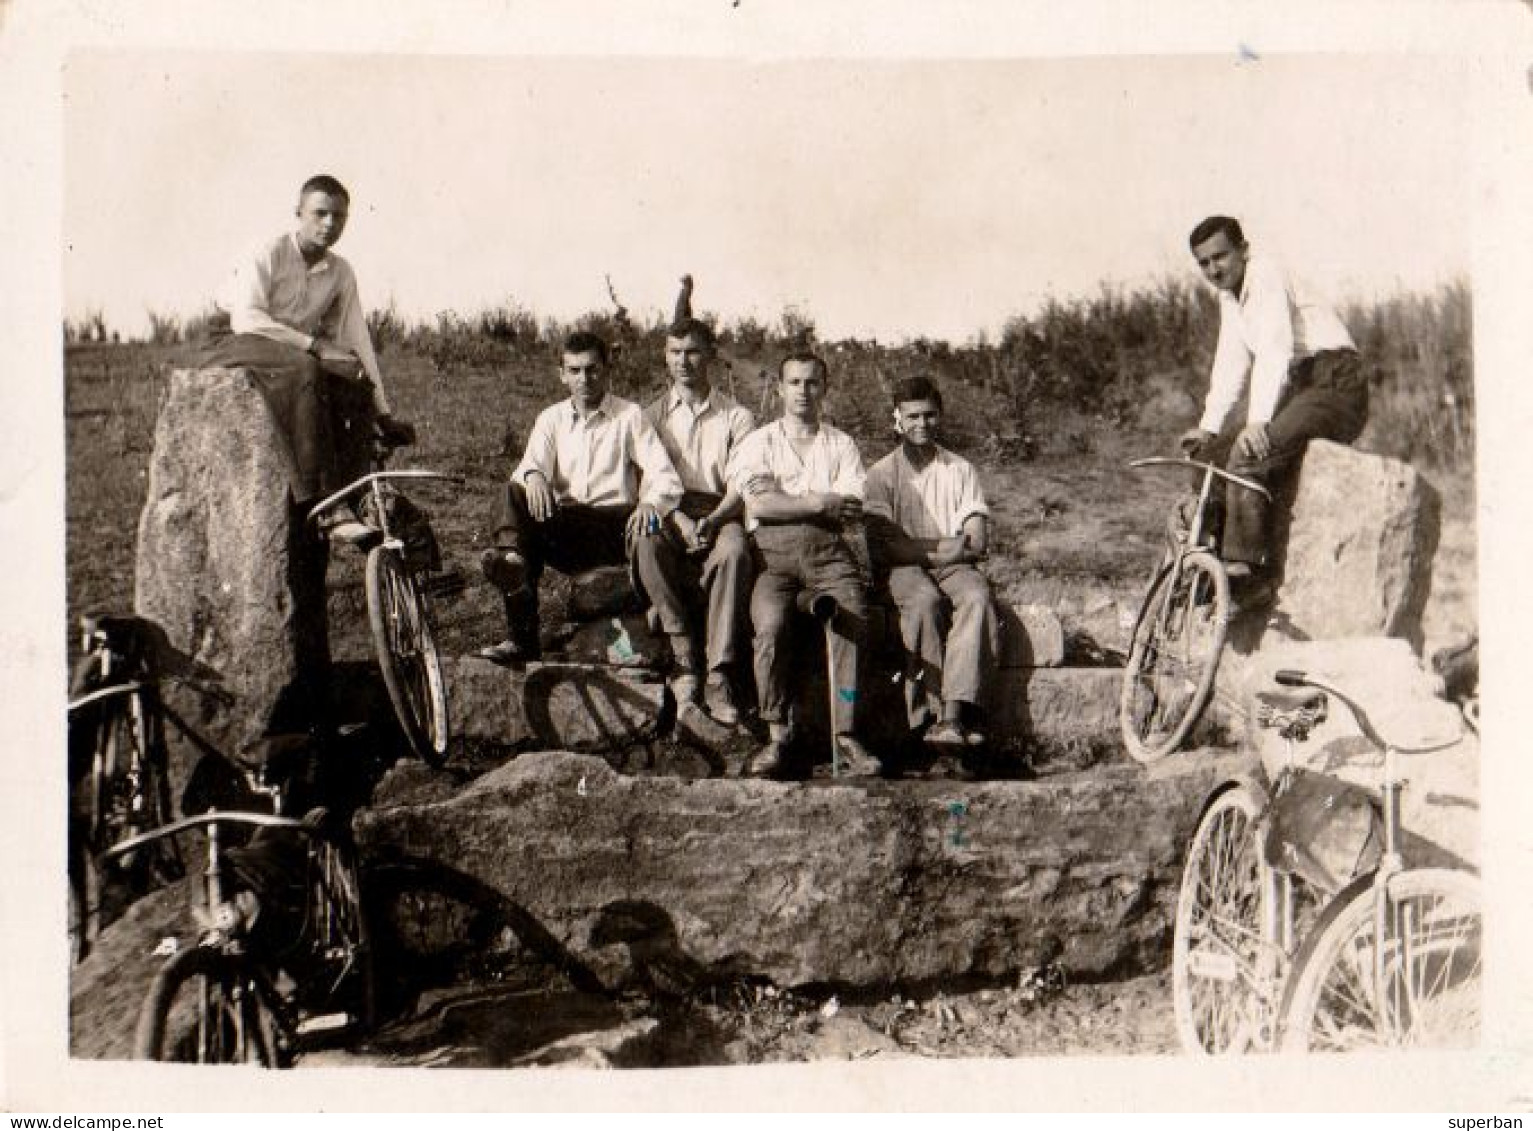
(1250, 590)
(510, 654)
(504, 569)
(719, 699)
(693, 722)
(945, 734)
(856, 762)
(768, 761)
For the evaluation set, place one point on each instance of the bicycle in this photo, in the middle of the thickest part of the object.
(255, 988)
(398, 610)
(1394, 960)
(1284, 892)
(1179, 632)
(119, 761)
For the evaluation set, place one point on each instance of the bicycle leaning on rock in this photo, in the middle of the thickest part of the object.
(1301, 925)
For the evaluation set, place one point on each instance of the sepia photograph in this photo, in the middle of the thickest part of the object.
(758, 549)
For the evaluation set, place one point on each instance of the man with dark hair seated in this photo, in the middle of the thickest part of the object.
(576, 501)
(802, 481)
(1294, 359)
(928, 523)
(295, 320)
(701, 427)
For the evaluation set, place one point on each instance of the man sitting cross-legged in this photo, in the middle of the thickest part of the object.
(927, 521)
(701, 427)
(802, 483)
(574, 500)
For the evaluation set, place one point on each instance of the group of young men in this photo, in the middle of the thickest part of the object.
(731, 530)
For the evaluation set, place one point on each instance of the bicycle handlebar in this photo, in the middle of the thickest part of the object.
(376, 476)
(106, 693)
(1293, 677)
(1198, 465)
(212, 817)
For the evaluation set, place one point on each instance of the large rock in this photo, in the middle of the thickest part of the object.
(1361, 537)
(221, 566)
(675, 882)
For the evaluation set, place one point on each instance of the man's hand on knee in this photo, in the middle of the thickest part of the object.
(644, 521)
(1193, 442)
(1253, 444)
(541, 503)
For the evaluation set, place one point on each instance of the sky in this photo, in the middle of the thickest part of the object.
(887, 198)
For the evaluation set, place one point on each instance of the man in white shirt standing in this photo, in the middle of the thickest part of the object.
(575, 500)
(928, 522)
(701, 427)
(802, 481)
(296, 322)
(1298, 366)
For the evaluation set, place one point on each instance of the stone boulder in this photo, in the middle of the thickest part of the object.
(1361, 535)
(671, 882)
(222, 566)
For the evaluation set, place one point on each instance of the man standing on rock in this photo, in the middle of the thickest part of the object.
(296, 322)
(1305, 382)
(928, 522)
(575, 501)
(802, 481)
(701, 427)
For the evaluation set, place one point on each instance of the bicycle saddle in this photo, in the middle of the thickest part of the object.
(1293, 714)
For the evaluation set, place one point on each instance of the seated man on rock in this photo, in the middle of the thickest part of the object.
(574, 501)
(1305, 382)
(295, 320)
(927, 522)
(701, 427)
(802, 481)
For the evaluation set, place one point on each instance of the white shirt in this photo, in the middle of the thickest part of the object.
(700, 439)
(1273, 321)
(274, 293)
(597, 460)
(830, 463)
(930, 503)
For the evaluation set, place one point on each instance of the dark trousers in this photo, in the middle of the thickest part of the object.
(1326, 399)
(804, 557)
(574, 538)
(326, 421)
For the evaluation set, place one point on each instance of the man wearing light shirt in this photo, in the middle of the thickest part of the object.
(802, 481)
(701, 427)
(296, 322)
(576, 500)
(928, 522)
(1295, 361)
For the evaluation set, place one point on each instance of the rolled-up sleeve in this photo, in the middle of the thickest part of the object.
(247, 298)
(970, 499)
(849, 478)
(541, 453)
(661, 487)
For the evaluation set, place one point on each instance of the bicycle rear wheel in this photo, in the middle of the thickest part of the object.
(1218, 948)
(1418, 986)
(205, 1008)
(407, 654)
(1174, 655)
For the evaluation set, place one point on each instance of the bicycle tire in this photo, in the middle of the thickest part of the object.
(407, 654)
(1173, 655)
(1329, 1003)
(1222, 886)
(204, 1007)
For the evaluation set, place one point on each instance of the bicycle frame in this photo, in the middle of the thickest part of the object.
(1208, 473)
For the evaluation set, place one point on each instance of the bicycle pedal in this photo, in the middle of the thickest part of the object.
(322, 1023)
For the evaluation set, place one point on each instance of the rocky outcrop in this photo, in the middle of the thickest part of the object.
(1361, 537)
(678, 882)
(222, 567)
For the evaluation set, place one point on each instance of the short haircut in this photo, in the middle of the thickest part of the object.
(804, 357)
(1211, 227)
(583, 341)
(917, 388)
(693, 327)
(327, 184)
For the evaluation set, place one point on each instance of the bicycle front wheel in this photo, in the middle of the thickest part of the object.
(1219, 951)
(205, 1008)
(1174, 655)
(1390, 968)
(407, 654)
